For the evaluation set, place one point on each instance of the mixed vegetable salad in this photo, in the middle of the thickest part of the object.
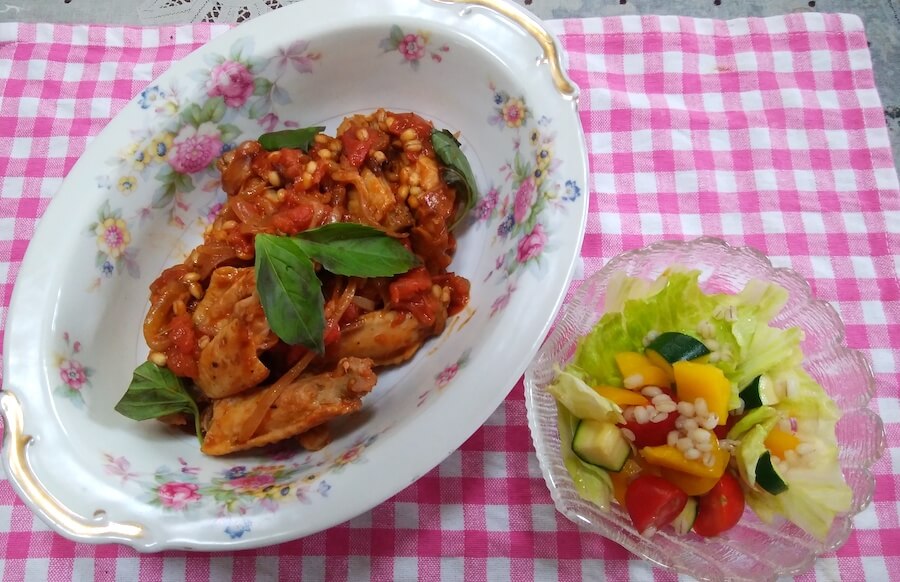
(685, 407)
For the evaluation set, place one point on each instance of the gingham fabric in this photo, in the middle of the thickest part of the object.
(767, 133)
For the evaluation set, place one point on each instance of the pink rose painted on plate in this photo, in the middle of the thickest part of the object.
(532, 244)
(232, 81)
(195, 148)
(412, 47)
(176, 495)
(73, 374)
(525, 198)
(252, 482)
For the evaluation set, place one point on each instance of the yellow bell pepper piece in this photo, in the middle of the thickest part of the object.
(690, 484)
(634, 365)
(660, 362)
(695, 380)
(621, 396)
(780, 441)
(670, 457)
(621, 479)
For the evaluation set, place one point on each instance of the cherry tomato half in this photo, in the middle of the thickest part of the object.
(721, 431)
(721, 508)
(652, 434)
(652, 502)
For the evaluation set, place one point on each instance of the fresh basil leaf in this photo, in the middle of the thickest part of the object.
(458, 171)
(290, 292)
(337, 231)
(296, 139)
(154, 392)
(374, 256)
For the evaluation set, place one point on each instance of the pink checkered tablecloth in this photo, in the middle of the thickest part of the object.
(767, 133)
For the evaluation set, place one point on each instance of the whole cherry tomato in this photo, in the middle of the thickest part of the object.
(721, 508)
(652, 502)
(652, 434)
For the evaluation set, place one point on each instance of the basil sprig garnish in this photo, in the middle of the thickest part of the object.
(457, 171)
(289, 289)
(154, 392)
(296, 139)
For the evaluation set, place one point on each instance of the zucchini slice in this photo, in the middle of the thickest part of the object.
(601, 444)
(673, 346)
(759, 392)
(767, 476)
(685, 520)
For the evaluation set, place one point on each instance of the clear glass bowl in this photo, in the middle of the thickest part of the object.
(752, 550)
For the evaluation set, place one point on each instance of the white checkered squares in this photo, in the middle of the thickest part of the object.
(610, 223)
(773, 222)
(797, 139)
(596, 63)
(822, 267)
(642, 140)
(713, 102)
(498, 569)
(601, 142)
(873, 312)
(752, 101)
(651, 224)
(313, 567)
(633, 64)
(885, 362)
(452, 568)
(686, 182)
(37, 69)
(101, 107)
(813, 223)
(746, 61)
(854, 222)
(820, 61)
(672, 62)
(496, 517)
(452, 518)
(875, 567)
(719, 140)
(631, 23)
(452, 465)
(21, 148)
(73, 72)
(760, 138)
(358, 568)
(107, 71)
(886, 179)
(859, 59)
(28, 106)
(726, 182)
(645, 183)
(691, 225)
(83, 569)
(543, 517)
(892, 221)
(765, 180)
(406, 515)
(863, 267)
(782, 61)
(126, 568)
(844, 180)
(494, 464)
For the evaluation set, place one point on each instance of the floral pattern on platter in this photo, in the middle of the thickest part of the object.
(518, 205)
(234, 495)
(177, 150)
(74, 375)
(413, 47)
(113, 235)
(444, 377)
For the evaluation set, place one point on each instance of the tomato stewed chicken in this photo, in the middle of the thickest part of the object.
(206, 321)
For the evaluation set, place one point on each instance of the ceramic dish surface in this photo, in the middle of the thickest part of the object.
(751, 550)
(141, 196)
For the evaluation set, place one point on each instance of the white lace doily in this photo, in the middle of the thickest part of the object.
(225, 11)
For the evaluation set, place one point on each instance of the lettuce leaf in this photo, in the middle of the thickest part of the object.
(581, 400)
